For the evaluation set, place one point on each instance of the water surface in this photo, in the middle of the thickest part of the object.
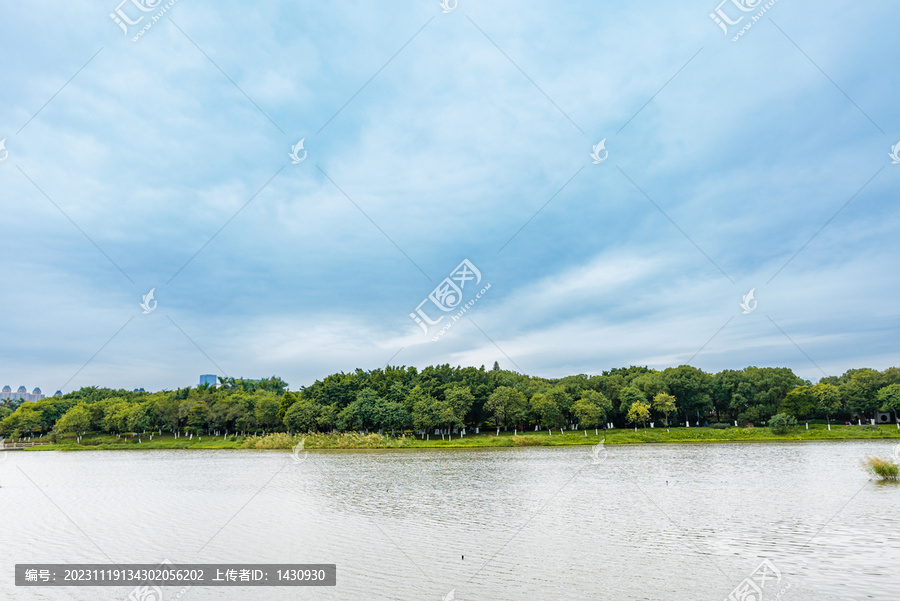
(674, 522)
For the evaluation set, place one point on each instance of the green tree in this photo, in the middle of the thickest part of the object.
(548, 412)
(115, 418)
(327, 417)
(266, 411)
(77, 420)
(651, 384)
(592, 408)
(692, 387)
(801, 402)
(302, 416)
(427, 412)
(859, 388)
(460, 400)
(138, 418)
(563, 401)
(639, 412)
(828, 400)
(782, 423)
(505, 404)
(198, 418)
(628, 396)
(391, 415)
(287, 399)
(889, 397)
(664, 403)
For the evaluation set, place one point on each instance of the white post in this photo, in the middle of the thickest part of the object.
(549, 432)
(829, 427)
(807, 425)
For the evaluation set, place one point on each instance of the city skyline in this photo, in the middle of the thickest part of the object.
(21, 393)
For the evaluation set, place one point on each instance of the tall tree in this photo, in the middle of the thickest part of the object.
(664, 403)
(505, 404)
(639, 412)
(76, 420)
(548, 412)
(828, 400)
(889, 397)
(592, 408)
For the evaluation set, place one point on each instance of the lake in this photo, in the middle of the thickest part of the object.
(669, 522)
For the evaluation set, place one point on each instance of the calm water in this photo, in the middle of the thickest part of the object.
(672, 522)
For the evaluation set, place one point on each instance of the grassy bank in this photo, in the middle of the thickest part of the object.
(489, 439)
(109, 442)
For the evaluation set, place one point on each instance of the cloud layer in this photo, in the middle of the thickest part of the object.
(431, 138)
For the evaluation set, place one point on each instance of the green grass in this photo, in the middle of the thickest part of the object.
(488, 439)
(883, 469)
(106, 442)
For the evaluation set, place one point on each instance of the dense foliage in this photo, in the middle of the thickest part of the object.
(401, 398)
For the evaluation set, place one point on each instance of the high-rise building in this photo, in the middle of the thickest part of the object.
(208, 379)
(21, 394)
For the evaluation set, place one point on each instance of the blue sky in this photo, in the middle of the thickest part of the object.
(434, 137)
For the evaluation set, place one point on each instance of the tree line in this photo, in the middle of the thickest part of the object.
(397, 399)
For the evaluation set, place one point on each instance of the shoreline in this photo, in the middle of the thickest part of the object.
(283, 441)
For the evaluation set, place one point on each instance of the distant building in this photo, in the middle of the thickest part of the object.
(21, 394)
(208, 379)
(57, 393)
(138, 390)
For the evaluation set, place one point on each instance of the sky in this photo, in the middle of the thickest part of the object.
(433, 135)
